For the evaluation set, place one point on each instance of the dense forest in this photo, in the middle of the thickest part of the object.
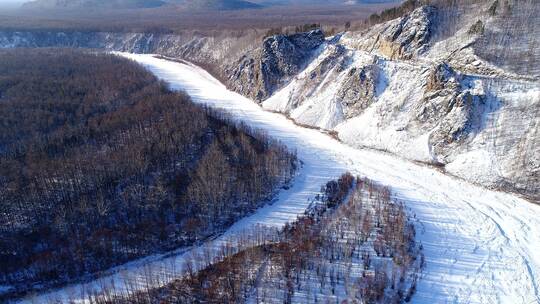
(101, 163)
(355, 244)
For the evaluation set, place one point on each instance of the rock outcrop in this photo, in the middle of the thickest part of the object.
(408, 37)
(261, 72)
(358, 90)
(462, 116)
(404, 38)
(441, 77)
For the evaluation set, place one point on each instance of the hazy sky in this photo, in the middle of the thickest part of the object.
(12, 3)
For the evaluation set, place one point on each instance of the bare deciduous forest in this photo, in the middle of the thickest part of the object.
(354, 243)
(101, 163)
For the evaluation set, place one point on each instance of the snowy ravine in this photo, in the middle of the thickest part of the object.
(480, 246)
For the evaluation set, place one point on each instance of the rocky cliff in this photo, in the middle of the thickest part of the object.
(403, 38)
(258, 74)
(427, 87)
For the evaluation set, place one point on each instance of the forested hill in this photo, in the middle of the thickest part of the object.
(100, 163)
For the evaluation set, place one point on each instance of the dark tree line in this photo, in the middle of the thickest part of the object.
(398, 11)
(355, 243)
(284, 30)
(101, 163)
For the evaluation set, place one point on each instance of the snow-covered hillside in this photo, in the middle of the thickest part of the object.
(405, 87)
(480, 246)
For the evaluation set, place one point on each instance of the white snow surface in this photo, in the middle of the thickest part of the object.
(480, 246)
(397, 110)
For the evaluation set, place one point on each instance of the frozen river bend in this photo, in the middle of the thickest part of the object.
(480, 246)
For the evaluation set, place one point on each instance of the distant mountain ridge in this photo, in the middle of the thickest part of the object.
(188, 4)
(134, 4)
(219, 4)
(97, 4)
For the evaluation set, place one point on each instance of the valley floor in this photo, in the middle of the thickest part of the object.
(480, 246)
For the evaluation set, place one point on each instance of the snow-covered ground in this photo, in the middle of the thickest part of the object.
(391, 108)
(480, 246)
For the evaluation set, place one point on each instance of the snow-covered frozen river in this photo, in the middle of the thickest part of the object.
(480, 246)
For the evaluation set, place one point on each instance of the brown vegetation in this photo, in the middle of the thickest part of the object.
(355, 243)
(100, 163)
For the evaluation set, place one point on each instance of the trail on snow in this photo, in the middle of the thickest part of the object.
(480, 246)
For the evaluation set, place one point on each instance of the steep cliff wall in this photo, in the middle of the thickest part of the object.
(259, 73)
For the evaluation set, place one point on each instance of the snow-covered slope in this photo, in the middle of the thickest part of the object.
(481, 246)
(407, 87)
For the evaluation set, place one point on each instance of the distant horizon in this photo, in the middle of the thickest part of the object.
(19, 3)
(12, 3)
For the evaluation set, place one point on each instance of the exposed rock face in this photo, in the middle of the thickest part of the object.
(477, 28)
(358, 90)
(403, 38)
(299, 99)
(337, 58)
(440, 94)
(462, 116)
(260, 73)
(409, 36)
(442, 76)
